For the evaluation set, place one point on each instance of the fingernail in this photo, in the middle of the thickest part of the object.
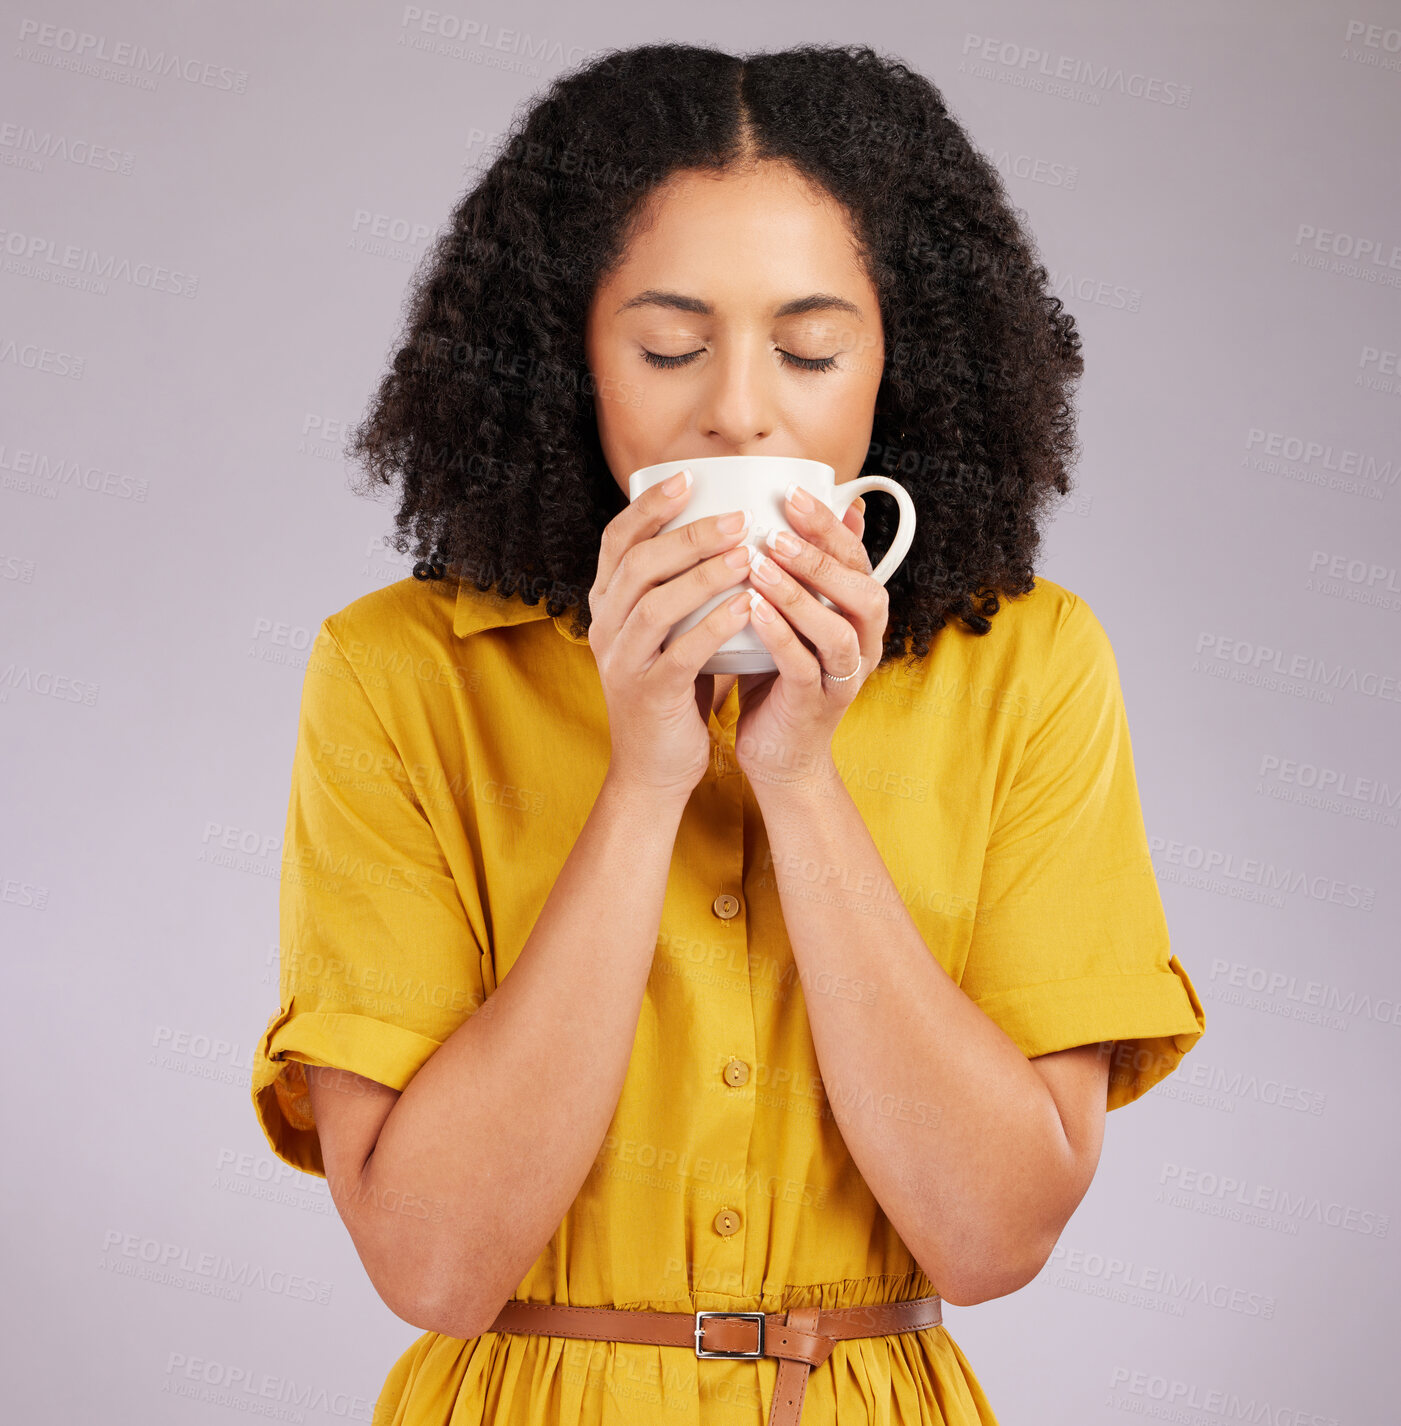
(783, 542)
(678, 482)
(760, 606)
(800, 498)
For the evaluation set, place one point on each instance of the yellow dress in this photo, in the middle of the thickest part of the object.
(450, 747)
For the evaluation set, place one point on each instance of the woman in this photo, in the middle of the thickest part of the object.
(607, 985)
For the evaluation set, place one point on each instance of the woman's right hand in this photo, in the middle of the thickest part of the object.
(646, 583)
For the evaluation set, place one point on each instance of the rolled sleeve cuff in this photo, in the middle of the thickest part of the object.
(1155, 1017)
(387, 1053)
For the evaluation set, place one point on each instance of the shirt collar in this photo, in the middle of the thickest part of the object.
(476, 610)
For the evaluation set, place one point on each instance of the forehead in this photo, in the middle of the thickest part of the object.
(744, 233)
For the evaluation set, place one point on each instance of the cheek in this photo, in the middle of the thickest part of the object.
(615, 391)
(840, 409)
(620, 423)
(839, 423)
(635, 425)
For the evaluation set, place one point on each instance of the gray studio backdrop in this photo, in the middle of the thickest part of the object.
(208, 221)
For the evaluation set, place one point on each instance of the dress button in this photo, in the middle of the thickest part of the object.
(736, 1073)
(725, 906)
(726, 1222)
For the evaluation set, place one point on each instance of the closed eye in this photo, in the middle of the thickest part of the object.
(801, 363)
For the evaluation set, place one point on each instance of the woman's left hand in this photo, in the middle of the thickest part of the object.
(783, 735)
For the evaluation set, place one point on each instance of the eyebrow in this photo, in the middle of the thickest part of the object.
(796, 307)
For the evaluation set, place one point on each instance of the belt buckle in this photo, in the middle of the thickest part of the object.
(753, 1316)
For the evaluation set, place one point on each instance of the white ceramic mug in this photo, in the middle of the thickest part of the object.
(760, 483)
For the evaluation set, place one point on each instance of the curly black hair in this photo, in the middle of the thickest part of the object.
(486, 415)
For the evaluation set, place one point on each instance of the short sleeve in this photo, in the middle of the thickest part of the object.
(1070, 942)
(379, 962)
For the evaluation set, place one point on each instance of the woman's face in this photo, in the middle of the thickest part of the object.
(708, 281)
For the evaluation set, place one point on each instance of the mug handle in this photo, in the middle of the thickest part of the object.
(848, 490)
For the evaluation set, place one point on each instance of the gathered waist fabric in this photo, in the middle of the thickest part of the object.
(799, 1338)
(534, 1380)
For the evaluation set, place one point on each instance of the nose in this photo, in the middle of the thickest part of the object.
(738, 401)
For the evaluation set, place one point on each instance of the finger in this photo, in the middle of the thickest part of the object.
(655, 565)
(831, 634)
(651, 562)
(821, 527)
(680, 662)
(864, 603)
(639, 520)
(855, 593)
(797, 665)
(651, 615)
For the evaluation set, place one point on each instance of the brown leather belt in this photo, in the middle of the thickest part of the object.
(801, 1338)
